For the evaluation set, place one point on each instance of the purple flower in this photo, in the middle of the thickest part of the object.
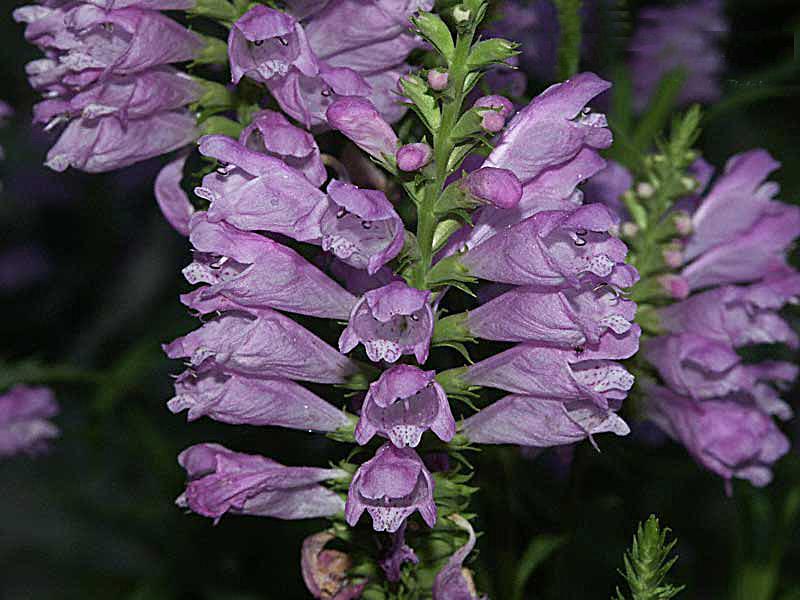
(361, 227)
(397, 554)
(539, 423)
(738, 316)
(551, 248)
(24, 424)
(683, 37)
(254, 271)
(391, 321)
(413, 157)
(569, 318)
(404, 403)
(359, 120)
(262, 343)
(172, 200)
(499, 187)
(240, 400)
(390, 487)
(735, 203)
(731, 439)
(325, 571)
(607, 187)
(265, 43)
(104, 144)
(222, 481)
(454, 582)
(271, 133)
(254, 191)
(373, 39)
(588, 374)
(552, 129)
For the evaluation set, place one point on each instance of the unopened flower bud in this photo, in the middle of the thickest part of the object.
(675, 286)
(493, 121)
(413, 156)
(629, 229)
(499, 103)
(461, 14)
(683, 222)
(644, 190)
(438, 80)
(499, 187)
(673, 255)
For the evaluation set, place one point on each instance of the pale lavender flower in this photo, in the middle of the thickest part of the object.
(271, 133)
(731, 439)
(391, 321)
(254, 271)
(404, 403)
(551, 248)
(359, 120)
(254, 191)
(587, 374)
(25, 425)
(262, 343)
(685, 37)
(266, 43)
(569, 318)
(240, 400)
(361, 227)
(325, 571)
(222, 481)
(438, 80)
(539, 423)
(390, 487)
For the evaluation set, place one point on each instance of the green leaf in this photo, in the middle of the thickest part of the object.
(659, 110)
(539, 550)
(491, 52)
(222, 126)
(424, 104)
(215, 51)
(433, 29)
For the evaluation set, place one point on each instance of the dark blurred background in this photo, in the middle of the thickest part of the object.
(89, 279)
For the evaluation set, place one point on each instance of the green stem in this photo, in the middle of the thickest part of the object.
(442, 148)
(569, 44)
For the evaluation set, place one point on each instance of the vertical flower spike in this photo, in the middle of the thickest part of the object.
(390, 487)
(454, 582)
(265, 43)
(358, 119)
(391, 321)
(361, 227)
(729, 438)
(402, 405)
(239, 400)
(271, 133)
(222, 481)
(24, 420)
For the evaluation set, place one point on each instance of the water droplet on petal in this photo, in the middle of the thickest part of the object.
(258, 42)
(341, 213)
(366, 224)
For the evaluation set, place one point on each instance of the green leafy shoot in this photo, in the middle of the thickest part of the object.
(647, 564)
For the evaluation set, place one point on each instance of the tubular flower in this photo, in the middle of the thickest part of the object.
(402, 404)
(390, 487)
(24, 420)
(454, 582)
(106, 74)
(325, 571)
(222, 481)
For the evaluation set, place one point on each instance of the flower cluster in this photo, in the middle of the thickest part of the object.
(267, 204)
(723, 258)
(107, 73)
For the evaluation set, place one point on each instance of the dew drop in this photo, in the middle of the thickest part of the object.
(580, 242)
(258, 42)
(366, 224)
(581, 232)
(415, 317)
(341, 213)
(283, 41)
(326, 92)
